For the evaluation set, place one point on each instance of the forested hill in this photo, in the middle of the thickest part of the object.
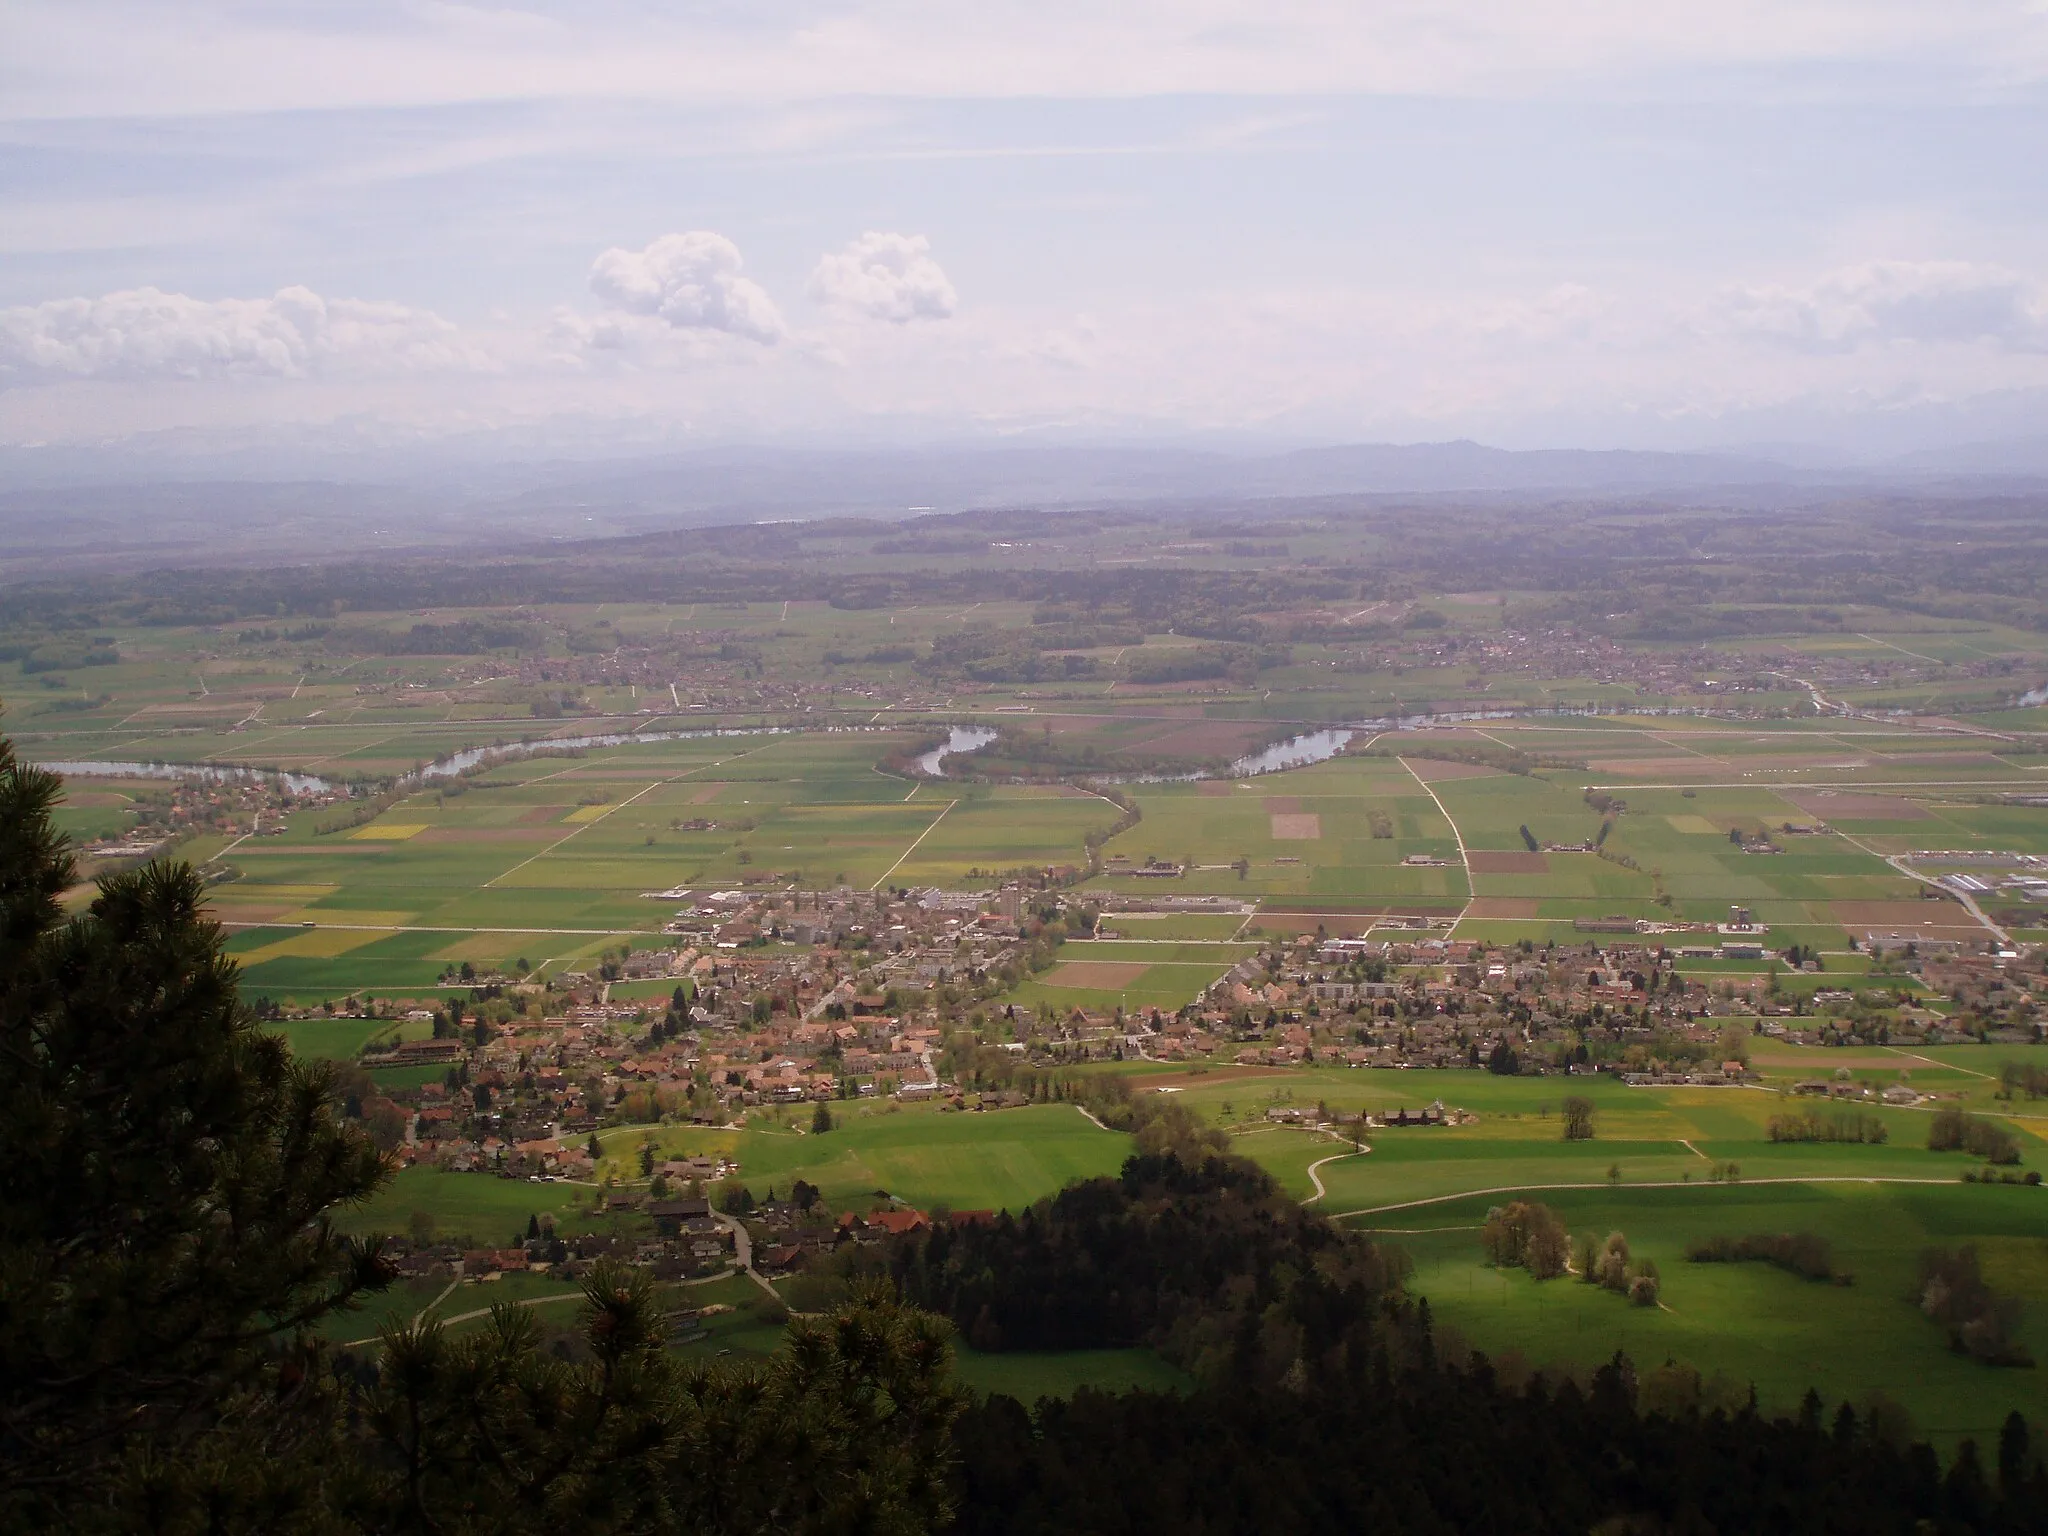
(1327, 1401)
(1200, 1262)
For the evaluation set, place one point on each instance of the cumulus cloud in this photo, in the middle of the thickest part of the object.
(692, 282)
(144, 333)
(885, 277)
(1929, 302)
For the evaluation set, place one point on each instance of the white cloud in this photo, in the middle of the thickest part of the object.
(144, 333)
(886, 277)
(1879, 302)
(692, 282)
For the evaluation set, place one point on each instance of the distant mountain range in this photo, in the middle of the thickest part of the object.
(124, 505)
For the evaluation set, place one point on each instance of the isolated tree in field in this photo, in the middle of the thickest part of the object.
(646, 1159)
(821, 1118)
(1578, 1117)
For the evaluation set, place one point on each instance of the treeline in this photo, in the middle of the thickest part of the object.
(1002, 656)
(1178, 664)
(1049, 653)
(1957, 1130)
(2025, 1077)
(1806, 1254)
(460, 637)
(54, 655)
(1844, 1125)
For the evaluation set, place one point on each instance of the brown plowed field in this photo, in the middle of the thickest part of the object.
(254, 912)
(1297, 828)
(1202, 738)
(1502, 906)
(536, 835)
(1431, 769)
(1901, 914)
(1835, 805)
(1102, 975)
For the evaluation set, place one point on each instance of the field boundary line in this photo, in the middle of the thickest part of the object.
(927, 832)
(1515, 1189)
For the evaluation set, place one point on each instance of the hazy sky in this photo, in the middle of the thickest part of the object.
(1531, 221)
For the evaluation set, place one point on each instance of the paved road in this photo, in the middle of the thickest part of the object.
(743, 1252)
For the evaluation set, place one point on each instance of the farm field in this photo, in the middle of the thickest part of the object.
(1649, 1174)
(792, 777)
(557, 864)
(1427, 1189)
(917, 1153)
(548, 859)
(1752, 1323)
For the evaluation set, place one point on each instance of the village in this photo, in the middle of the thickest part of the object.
(777, 1002)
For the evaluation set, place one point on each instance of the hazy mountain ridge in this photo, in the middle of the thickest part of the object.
(58, 514)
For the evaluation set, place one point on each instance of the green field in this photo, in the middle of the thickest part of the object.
(1751, 1323)
(920, 1154)
(550, 860)
(1647, 1174)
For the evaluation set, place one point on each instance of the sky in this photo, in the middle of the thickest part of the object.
(1587, 223)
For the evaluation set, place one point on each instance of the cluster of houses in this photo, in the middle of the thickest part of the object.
(1627, 1008)
(875, 987)
(749, 1022)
